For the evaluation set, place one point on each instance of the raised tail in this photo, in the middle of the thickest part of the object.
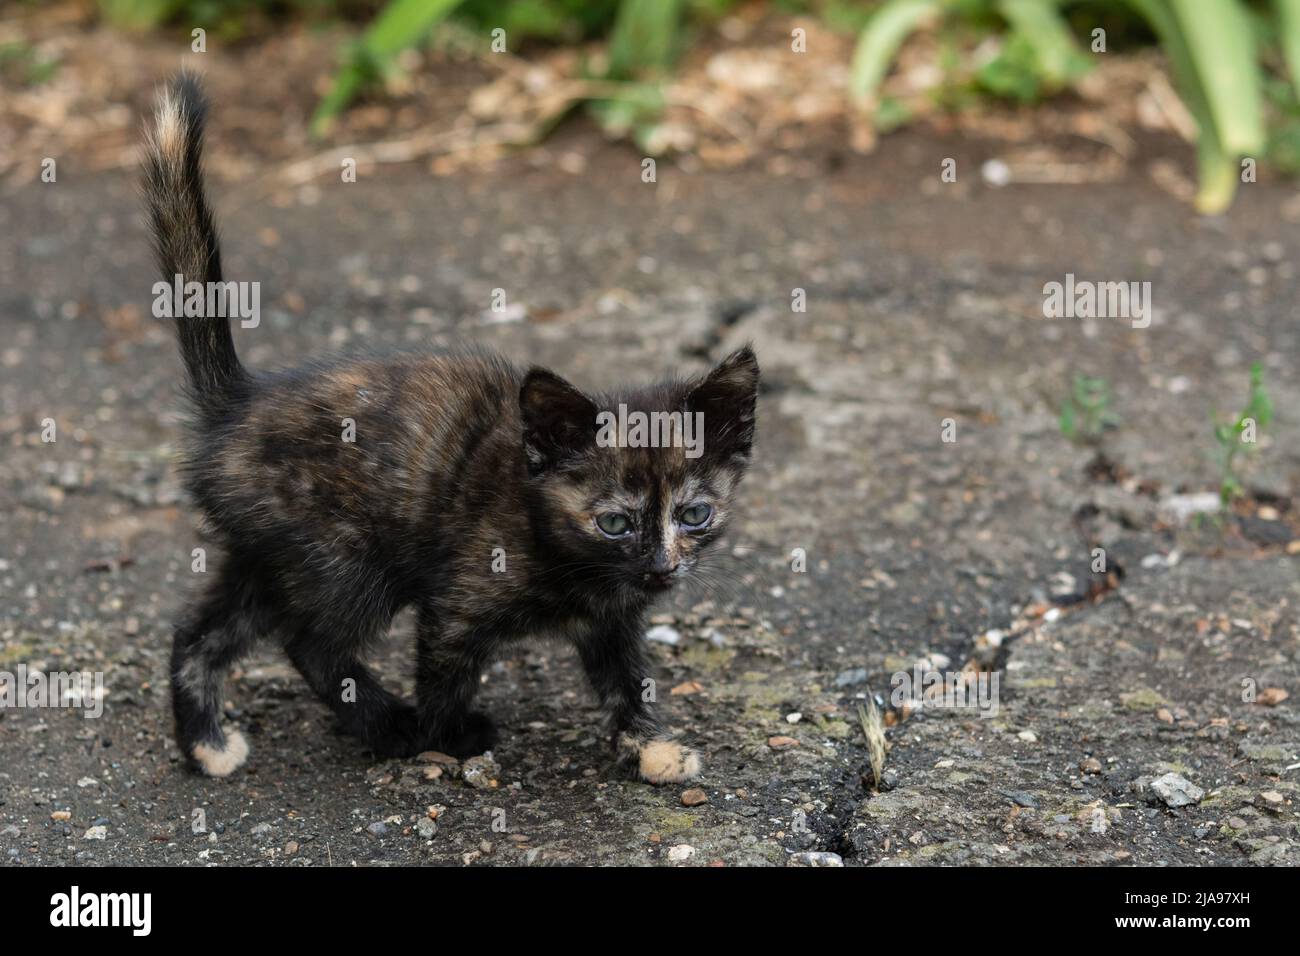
(184, 235)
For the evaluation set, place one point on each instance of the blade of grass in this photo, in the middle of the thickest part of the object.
(401, 24)
(644, 38)
(1216, 169)
(1288, 28)
(880, 40)
(1039, 22)
(1221, 42)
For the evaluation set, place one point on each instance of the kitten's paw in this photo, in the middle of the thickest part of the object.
(221, 759)
(475, 734)
(400, 737)
(662, 761)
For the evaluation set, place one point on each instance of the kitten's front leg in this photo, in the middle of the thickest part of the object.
(448, 663)
(617, 666)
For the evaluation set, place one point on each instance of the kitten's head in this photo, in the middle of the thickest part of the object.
(632, 488)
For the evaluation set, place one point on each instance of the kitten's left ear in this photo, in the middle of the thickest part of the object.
(727, 397)
(559, 421)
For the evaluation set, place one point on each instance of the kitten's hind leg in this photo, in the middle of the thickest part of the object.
(448, 664)
(384, 723)
(220, 628)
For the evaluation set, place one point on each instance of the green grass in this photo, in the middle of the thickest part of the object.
(1241, 434)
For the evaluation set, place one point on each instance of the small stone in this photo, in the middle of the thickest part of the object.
(1176, 791)
(61, 815)
(1272, 799)
(426, 828)
(85, 782)
(1020, 798)
(686, 689)
(782, 743)
(1164, 716)
(1090, 765)
(815, 858)
(694, 797)
(1028, 736)
(851, 678)
(261, 830)
(663, 634)
(96, 833)
(1271, 696)
(481, 772)
(1237, 823)
(377, 829)
(438, 757)
(291, 848)
(681, 852)
(432, 773)
(793, 717)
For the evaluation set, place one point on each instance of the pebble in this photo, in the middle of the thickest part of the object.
(1272, 696)
(1176, 791)
(261, 830)
(694, 797)
(793, 717)
(426, 828)
(851, 678)
(61, 815)
(1272, 798)
(815, 858)
(377, 829)
(663, 634)
(291, 848)
(96, 833)
(782, 743)
(682, 851)
(1020, 798)
(481, 772)
(1090, 765)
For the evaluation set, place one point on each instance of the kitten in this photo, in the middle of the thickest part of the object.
(473, 491)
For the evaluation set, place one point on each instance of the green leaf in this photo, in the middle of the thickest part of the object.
(401, 24)
(1038, 21)
(644, 38)
(137, 14)
(1221, 42)
(1198, 59)
(880, 41)
(1288, 28)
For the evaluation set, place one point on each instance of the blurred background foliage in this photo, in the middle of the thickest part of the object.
(1234, 63)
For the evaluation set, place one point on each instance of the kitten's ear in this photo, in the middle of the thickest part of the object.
(726, 397)
(559, 421)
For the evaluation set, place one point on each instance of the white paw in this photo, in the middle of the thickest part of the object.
(663, 761)
(225, 761)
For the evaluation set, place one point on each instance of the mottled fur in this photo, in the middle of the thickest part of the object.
(455, 456)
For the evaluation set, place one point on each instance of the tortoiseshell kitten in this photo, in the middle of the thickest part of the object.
(473, 491)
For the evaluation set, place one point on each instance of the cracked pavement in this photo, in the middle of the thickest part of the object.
(922, 305)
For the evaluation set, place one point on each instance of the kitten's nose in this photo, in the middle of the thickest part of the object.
(661, 569)
(663, 565)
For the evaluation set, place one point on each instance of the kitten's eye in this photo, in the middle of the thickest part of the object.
(613, 524)
(697, 516)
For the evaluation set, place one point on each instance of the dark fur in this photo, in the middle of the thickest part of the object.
(455, 455)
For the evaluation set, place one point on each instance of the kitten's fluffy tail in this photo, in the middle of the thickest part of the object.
(184, 235)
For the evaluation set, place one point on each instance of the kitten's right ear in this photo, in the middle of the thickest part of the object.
(559, 421)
